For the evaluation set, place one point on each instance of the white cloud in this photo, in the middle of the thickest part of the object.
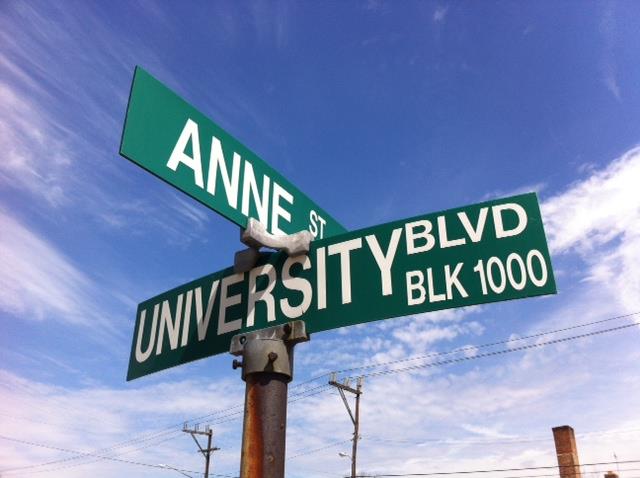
(599, 219)
(419, 422)
(35, 159)
(60, 142)
(440, 13)
(608, 62)
(93, 418)
(611, 82)
(527, 188)
(490, 432)
(36, 280)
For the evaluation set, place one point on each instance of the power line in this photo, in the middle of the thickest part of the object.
(96, 452)
(308, 392)
(547, 475)
(100, 452)
(168, 430)
(76, 452)
(20, 471)
(503, 470)
(315, 450)
(495, 353)
(500, 441)
(481, 346)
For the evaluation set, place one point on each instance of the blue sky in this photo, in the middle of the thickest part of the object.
(378, 111)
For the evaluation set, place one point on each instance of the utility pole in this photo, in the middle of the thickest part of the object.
(206, 452)
(267, 369)
(355, 419)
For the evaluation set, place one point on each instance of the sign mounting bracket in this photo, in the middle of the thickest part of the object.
(255, 235)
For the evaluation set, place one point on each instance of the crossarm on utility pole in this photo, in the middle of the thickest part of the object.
(197, 442)
(346, 404)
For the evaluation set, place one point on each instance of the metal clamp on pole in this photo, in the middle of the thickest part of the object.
(267, 368)
(255, 236)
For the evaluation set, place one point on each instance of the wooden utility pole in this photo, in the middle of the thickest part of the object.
(355, 418)
(206, 452)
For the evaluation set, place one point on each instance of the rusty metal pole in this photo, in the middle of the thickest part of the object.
(267, 369)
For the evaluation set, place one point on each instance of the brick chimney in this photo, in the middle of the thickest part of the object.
(567, 452)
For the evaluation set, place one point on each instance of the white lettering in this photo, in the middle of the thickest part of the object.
(321, 276)
(451, 281)
(314, 218)
(169, 324)
(263, 295)
(313, 227)
(383, 260)
(189, 133)
(442, 234)
(412, 286)
(433, 297)
(474, 234)
(276, 209)
(249, 185)
(497, 219)
(412, 235)
(296, 283)
(216, 160)
(203, 321)
(187, 319)
(141, 355)
(227, 301)
(344, 249)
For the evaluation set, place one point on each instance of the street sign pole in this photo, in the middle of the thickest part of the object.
(267, 369)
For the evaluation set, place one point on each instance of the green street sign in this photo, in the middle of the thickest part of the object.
(174, 141)
(483, 253)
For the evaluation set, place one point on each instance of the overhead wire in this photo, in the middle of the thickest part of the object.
(110, 458)
(308, 392)
(304, 452)
(170, 429)
(219, 420)
(493, 353)
(500, 470)
(486, 345)
(21, 470)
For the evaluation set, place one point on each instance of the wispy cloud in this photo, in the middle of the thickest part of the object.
(93, 418)
(36, 160)
(599, 218)
(440, 13)
(36, 280)
(504, 406)
(60, 139)
(593, 228)
(527, 188)
(270, 20)
(608, 61)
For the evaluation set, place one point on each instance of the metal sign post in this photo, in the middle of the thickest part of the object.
(267, 369)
